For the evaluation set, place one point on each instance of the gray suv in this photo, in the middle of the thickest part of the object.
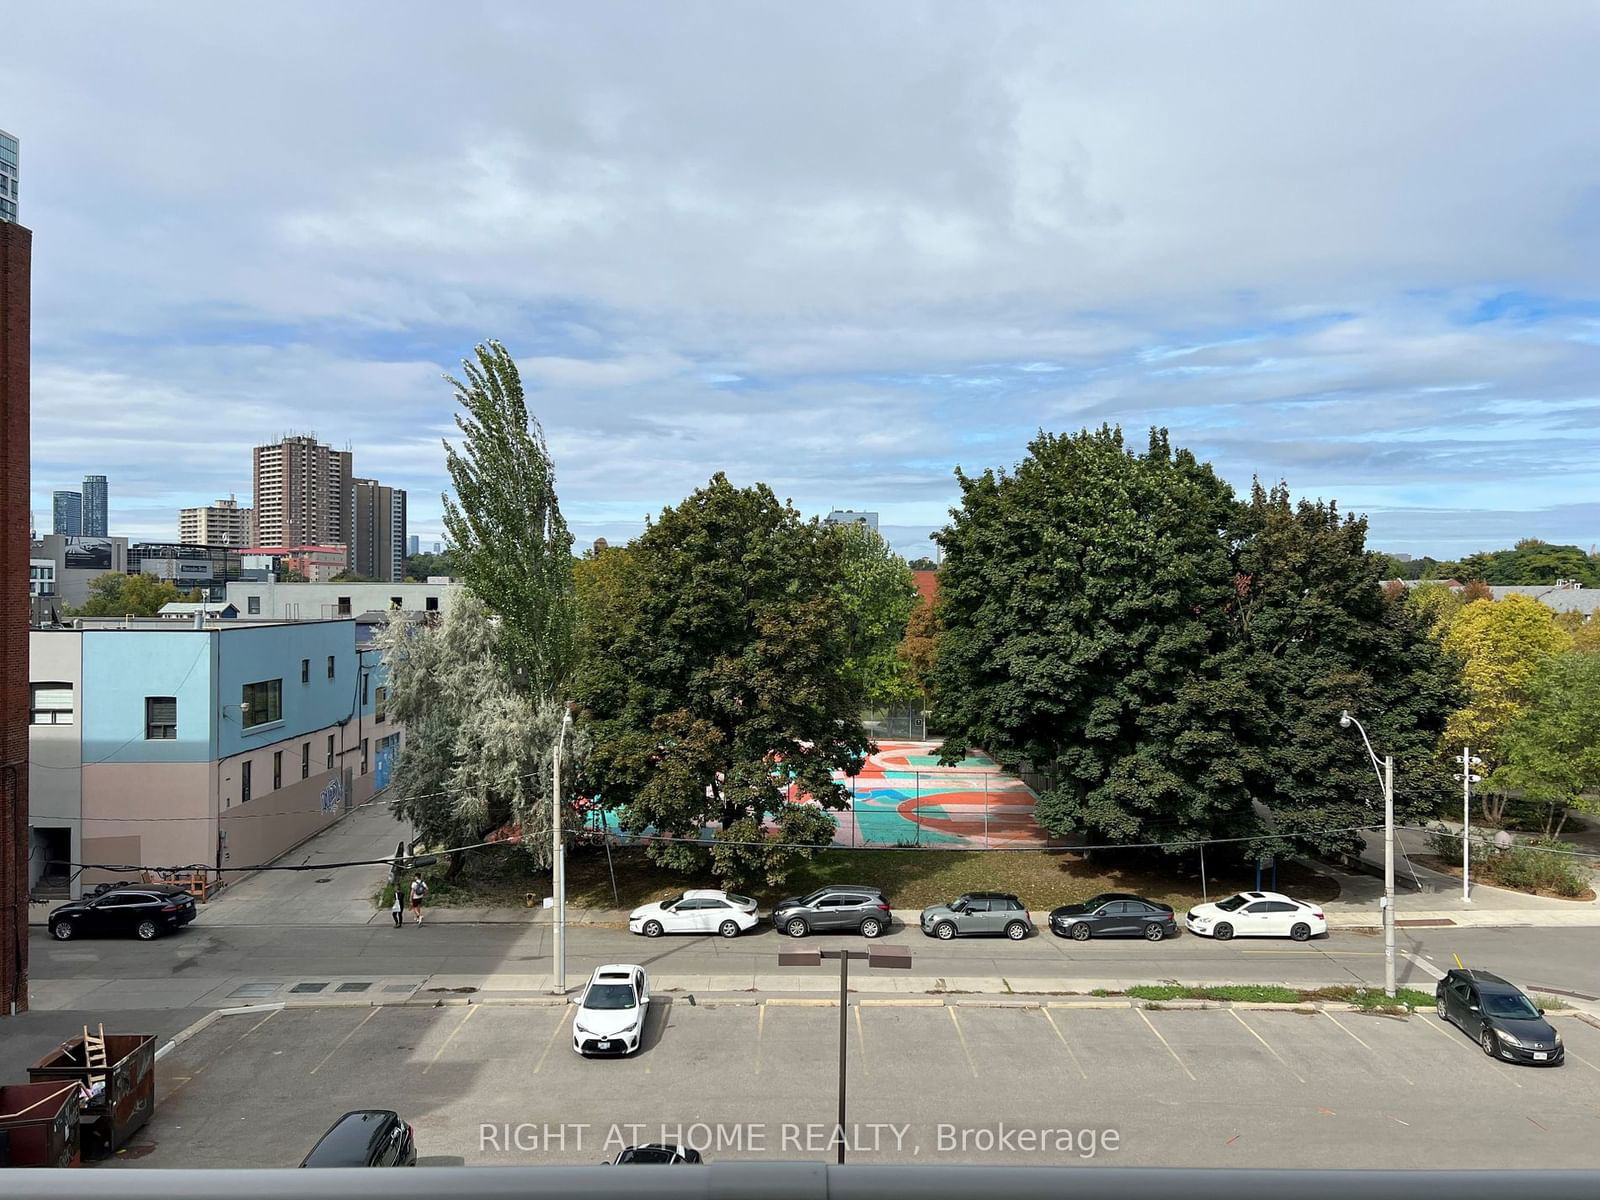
(837, 907)
(975, 913)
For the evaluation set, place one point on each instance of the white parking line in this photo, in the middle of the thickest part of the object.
(1167, 1044)
(554, 1034)
(1451, 1037)
(1353, 1034)
(450, 1038)
(340, 1043)
(1268, 1045)
(1066, 1044)
(861, 1041)
(956, 1021)
(761, 1025)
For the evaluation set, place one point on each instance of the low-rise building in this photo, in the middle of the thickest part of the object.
(317, 563)
(152, 744)
(276, 601)
(75, 562)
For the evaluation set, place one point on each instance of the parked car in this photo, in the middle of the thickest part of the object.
(656, 1154)
(703, 911)
(612, 1011)
(1505, 1022)
(852, 908)
(1114, 914)
(368, 1137)
(978, 913)
(142, 911)
(1257, 914)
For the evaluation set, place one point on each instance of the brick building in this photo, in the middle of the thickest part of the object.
(16, 253)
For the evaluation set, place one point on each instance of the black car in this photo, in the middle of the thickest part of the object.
(1499, 1015)
(837, 907)
(368, 1137)
(1114, 914)
(142, 911)
(656, 1154)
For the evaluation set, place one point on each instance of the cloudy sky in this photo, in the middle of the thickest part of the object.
(842, 248)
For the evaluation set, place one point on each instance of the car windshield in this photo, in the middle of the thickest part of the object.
(609, 995)
(1509, 1004)
(958, 905)
(673, 903)
(741, 901)
(1233, 903)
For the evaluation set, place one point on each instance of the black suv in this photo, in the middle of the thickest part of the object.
(1500, 1016)
(143, 911)
(838, 906)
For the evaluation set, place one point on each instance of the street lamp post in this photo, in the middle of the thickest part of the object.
(558, 859)
(1386, 779)
(1468, 761)
(877, 956)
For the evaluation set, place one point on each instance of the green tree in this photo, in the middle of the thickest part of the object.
(1533, 561)
(118, 595)
(509, 539)
(715, 672)
(1502, 645)
(1551, 750)
(1436, 604)
(923, 564)
(351, 577)
(420, 566)
(1079, 596)
(878, 594)
(919, 650)
(1311, 634)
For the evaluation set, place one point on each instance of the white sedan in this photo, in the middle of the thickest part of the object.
(1257, 914)
(702, 911)
(611, 1011)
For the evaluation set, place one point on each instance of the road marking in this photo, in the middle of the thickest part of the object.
(1323, 953)
(761, 1025)
(861, 1038)
(1446, 1034)
(1268, 1045)
(444, 1044)
(954, 1020)
(1582, 1059)
(1064, 1042)
(340, 1044)
(1167, 1044)
(1353, 1034)
(554, 1034)
(1428, 968)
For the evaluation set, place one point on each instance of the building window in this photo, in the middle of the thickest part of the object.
(277, 769)
(394, 602)
(330, 666)
(160, 718)
(52, 704)
(365, 691)
(252, 606)
(330, 752)
(431, 604)
(383, 704)
(244, 782)
(305, 760)
(363, 756)
(263, 703)
(305, 670)
(344, 606)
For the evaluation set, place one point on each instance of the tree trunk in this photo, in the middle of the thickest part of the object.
(1561, 824)
(458, 860)
(1494, 807)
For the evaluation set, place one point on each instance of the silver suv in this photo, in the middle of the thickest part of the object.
(835, 908)
(978, 913)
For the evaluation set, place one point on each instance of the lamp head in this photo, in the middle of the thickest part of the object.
(1344, 719)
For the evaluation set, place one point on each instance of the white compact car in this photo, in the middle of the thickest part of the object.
(612, 1011)
(1257, 914)
(702, 911)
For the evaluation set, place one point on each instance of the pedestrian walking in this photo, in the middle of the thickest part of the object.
(395, 910)
(418, 891)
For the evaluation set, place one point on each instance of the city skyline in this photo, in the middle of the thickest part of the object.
(835, 297)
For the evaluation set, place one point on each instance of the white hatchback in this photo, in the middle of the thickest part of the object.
(611, 1011)
(701, 911)
(1257, 914)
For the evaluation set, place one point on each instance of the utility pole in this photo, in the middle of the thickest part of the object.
(558, 859)
(1467, 780)
(1388, 874)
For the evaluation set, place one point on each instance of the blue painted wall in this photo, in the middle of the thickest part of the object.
(250, 654)
(123, 666)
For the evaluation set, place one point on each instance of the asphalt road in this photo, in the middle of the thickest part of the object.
(1566, 959)
(486, 1085)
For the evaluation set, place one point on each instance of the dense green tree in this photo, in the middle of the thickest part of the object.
(420, 566)
(351, 577)
(1533, 561)
(1551, 750)
(878, 594)
(1080, 595)
(1436, 604)
(715, 671)
(923, 564)
(118, 595)
(509, 540)
(919, 649)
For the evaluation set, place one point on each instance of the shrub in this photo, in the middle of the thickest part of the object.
(1536, 865)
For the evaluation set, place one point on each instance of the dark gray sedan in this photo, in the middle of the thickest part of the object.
(1114, 914)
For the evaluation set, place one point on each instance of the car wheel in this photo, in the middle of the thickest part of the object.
(729, 929)
(1301, 932)
(795, 928)
(1222, 932)
(1154, 932)
(62, 931)
(147, 930)
(1016, 931)
(1441, 1008)
(871, 927)
(944, 931)
(652, 929)
(1081, 931)
(1486, 1040)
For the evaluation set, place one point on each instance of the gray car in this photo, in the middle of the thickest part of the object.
(978, 913)
(836, 908)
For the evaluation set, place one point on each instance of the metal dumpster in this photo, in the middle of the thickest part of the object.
(112, 1115)
(39, 1124)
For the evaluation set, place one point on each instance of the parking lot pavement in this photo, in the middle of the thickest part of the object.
(500, 1085)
